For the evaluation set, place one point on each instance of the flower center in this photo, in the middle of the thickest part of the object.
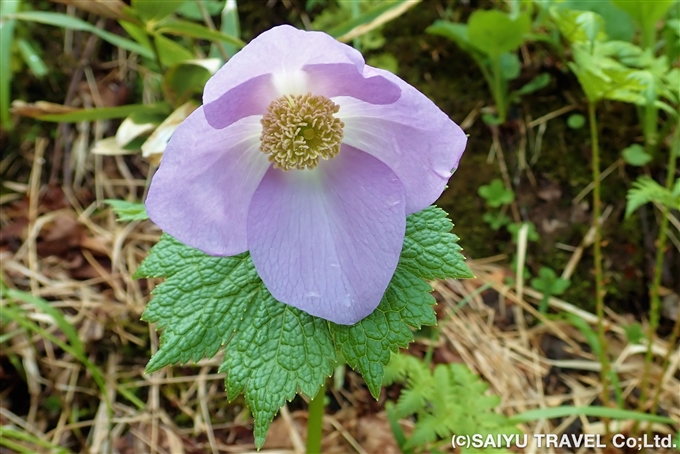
(299, 130)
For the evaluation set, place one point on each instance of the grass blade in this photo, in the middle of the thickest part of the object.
(601, 412)
(74, 23)
(6, 35)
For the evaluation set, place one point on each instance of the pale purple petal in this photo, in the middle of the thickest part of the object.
(328, 241)
(202, 190)
(342, 79)
(281, 50)
(413, 137)
(288, 61)
(252, 97)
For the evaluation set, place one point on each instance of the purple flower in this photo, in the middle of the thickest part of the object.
(310, 160)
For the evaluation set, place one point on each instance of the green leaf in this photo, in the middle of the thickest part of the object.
(367, 345)
(278, 352)
(206, 302)
(576, 121)
(105, 113)
(139, 35)
(184, 28)
(430, 251)
(6, 36)
(272, 350)
(510, 66)
(494, 32)
(190, 10)
(618, 25)
(634, 333)
(535, 84)
(154, 10)
(30, 442)
(184, 80)
(449, 399)
(645, 12)
(491, 120)
(32, 59)
(590, 23)
(496, 221)
(496, 194)
(171, 52)
(578, 26)
(73, 23)
(636, 155)
(230, 26)
(458, 33)
(128, 211)
(548, 283)
(602, 77)
(646, 190)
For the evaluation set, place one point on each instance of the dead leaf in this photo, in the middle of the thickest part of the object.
(40, 108)
(59, 236)
(109, 147)
(375, 436)
(113, 9)
(155, 145)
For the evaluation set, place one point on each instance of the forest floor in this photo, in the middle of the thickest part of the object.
(61, 243)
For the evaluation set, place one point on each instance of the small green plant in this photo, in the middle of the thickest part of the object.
(549, 284)
(621, 71)
(496, 221)
(128, 211)
(635, 155)
(446, 400)
(492, 38)
(496, 194)
(646, 190)
(634, 333)
(514, 228)
(576, 121)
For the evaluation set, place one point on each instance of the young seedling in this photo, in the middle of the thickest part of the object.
(549, 284)
(447, 400)
(492, 38)
(496, 194)
(635, 155)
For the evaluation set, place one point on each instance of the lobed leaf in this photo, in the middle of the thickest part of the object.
(646, 190)
(272, 350)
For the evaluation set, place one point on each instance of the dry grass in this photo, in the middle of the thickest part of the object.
(183, 409)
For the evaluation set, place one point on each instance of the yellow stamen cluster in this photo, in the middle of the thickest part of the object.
(299, 130)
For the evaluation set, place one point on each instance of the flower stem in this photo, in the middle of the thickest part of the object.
(599, 280)
(498, 89)
(655, 300)
(315, 421)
